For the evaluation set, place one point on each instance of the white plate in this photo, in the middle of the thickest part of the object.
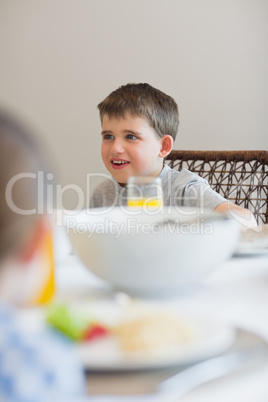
(253, 241)
(251, 251)
(105, 354)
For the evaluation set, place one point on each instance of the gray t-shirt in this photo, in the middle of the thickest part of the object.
(180, 188)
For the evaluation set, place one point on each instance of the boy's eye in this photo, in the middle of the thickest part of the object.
(108, 137)
(131, 137)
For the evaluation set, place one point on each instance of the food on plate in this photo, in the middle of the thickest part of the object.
(153, 332)
(94, 331)
(255, 237)
(134, 326)
(76, 323)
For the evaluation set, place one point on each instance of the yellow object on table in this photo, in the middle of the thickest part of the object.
(139, 202)
(46, 262)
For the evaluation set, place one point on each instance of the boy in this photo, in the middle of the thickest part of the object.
(139, 126)
(41, 367)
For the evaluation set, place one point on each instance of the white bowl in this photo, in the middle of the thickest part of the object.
(149, 254)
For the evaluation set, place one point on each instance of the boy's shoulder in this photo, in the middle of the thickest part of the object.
(183, 176)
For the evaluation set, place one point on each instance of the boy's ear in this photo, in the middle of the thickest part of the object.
(166, 145)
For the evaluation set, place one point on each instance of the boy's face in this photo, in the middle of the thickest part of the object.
(130, 147)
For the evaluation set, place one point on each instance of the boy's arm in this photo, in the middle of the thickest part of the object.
(242, 215)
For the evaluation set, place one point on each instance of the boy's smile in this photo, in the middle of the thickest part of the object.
(130, 147)
(119, 163)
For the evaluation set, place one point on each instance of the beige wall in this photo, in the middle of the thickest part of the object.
(59, 58)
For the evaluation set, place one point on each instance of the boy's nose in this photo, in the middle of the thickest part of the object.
(117, 147)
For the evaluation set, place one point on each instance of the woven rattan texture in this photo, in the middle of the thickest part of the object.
(240, 176)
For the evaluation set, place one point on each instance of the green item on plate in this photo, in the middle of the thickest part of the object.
(68, 320)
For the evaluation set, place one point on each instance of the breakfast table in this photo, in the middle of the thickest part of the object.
(235, 294)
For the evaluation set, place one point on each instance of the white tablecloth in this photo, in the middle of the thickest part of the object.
(236, 293)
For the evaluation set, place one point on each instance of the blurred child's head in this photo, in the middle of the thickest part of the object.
(142, 100)
(23, 183)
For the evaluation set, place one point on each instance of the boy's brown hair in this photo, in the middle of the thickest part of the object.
(142, 100)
